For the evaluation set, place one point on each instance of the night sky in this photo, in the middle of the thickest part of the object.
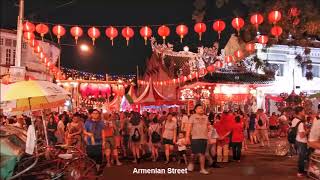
(118, 59)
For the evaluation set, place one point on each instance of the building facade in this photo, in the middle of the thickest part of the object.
(290, 74)
(29, 60)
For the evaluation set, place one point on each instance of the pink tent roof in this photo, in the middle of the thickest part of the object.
(151, 96)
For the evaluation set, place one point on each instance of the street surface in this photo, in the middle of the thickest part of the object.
(257, 163)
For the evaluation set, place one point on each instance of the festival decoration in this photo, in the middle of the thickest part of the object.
(276, 31)
(250, 47)
(59, 31)
(37, 49)
(294, 12)
(219, 26)
(211, 68)
(200, 28)
(256, 20)
(218, 64)
(237, 23)
(163, 31)
(228, 59)
(238, 54)
(112, 33)
(274, 17)
(28, 27)
(93, 33)
(263, 39)
(127, 33)
(42, 29)
(33, 43)
(28, 36)
(182, 30)
(146, 33)
(76, 32)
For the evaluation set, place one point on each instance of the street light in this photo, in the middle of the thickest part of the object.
(84, 48)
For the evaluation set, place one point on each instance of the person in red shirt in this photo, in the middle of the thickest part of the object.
(273, 125)
(223, 130)
(237, 138)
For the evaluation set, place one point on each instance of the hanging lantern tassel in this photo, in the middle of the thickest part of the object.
(93, 39)
(76, 38)
(181, 37)
(58, 39)
(111, 41)
(200, 35)
(145, 40)
(164, 39)
(127, 41)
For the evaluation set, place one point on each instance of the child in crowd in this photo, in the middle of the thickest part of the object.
(182, 148)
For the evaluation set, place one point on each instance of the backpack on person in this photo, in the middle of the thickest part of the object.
(292, 133)
(155, 136)
(136, 135)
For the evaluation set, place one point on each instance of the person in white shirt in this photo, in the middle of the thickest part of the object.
(314, 136)
(301, 139)
(182, 148)
(184, 121)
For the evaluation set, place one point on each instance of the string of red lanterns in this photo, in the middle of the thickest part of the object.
(200, 28)
(76, 32)
(146, 33)
(112, 33)
(182, 30)
(256, 20)
(238, 24)
(128, 33)
(219, 26)
(42, 29)
(163, 30)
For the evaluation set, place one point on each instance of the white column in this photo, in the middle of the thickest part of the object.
(19, 34)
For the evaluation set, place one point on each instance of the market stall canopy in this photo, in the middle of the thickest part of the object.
(34, 95)
(151, 96)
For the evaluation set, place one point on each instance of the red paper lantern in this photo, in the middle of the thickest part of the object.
(228, 59)
(263, 39)
(112, 33)
(59, 31)
(44, 60)
(200, 28)
(94, 33)
(128, 33)
(296, 21)
(294, 12)
(210, 68)
(163, 31)
(33, 42)
(250, 47)
(42, 29)
(274, 17)
(182, 30)
(238, 54)
(256, 20)
(218, 64)
(37, 49)
(76, 32)
(146, 33)
(219, 26)
(276, 31)
(28, 27)
(41, 55)
(237, 23)
(28, 36)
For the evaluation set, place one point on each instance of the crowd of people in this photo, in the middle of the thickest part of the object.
(172, 136)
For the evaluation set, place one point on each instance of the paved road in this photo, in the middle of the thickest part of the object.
(257, 164)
